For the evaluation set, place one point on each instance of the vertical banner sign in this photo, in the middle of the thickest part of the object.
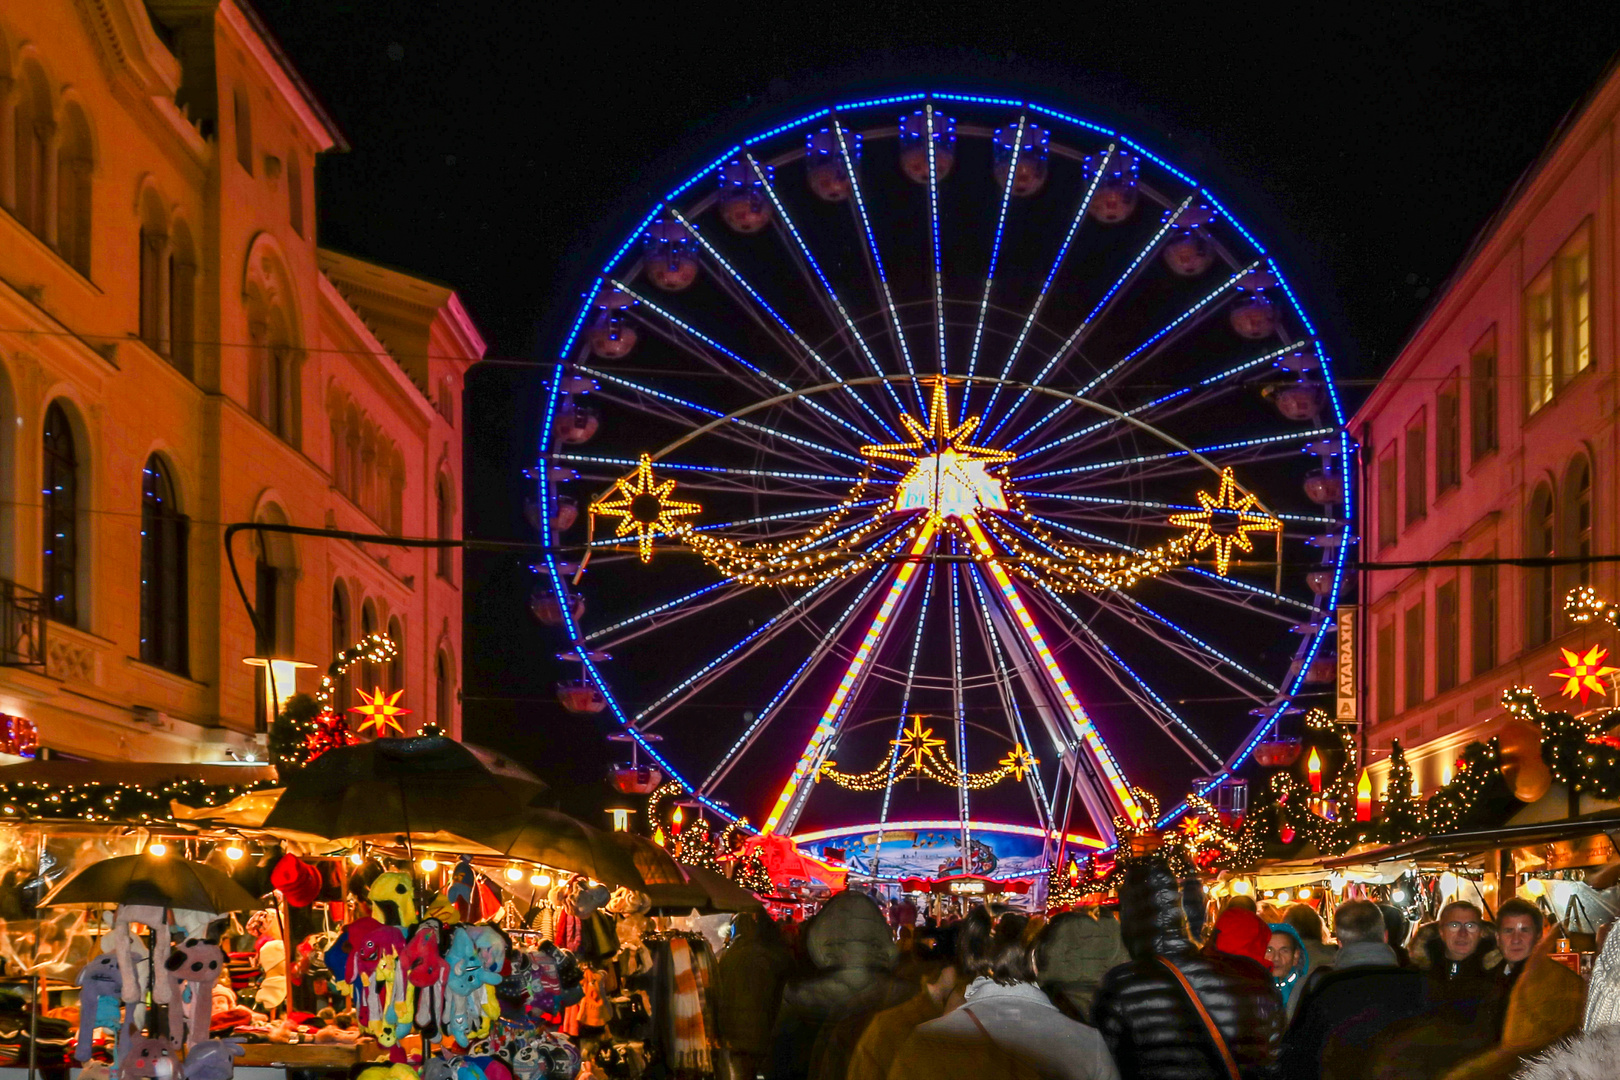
(1346, 710)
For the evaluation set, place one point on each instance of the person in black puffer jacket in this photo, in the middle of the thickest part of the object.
(1152, 1028)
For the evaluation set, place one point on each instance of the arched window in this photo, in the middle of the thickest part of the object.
(1541, 541)
(275, 575)
(61, 513)
(32, 131)
(1578, 519)
(370, 678)
(444, 694)
(73, 167)
(396, 666)
(342, 638)
(274, 358)
(444, 518)
(242, 116)
(181, 274)
(163, 571)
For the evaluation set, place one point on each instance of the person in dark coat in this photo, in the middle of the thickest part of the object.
(1348, 1007)
(1145, 1015)
(1396, 929)
(748, 977)
(854, 952)
(1461, 1018)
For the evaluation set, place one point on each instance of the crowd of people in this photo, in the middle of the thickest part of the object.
(1148, 991)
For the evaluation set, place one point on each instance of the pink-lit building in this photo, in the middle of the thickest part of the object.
(1494, 434)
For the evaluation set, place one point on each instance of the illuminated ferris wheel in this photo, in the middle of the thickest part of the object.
(942, 461)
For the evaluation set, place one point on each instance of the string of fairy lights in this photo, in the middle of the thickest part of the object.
(923, 755)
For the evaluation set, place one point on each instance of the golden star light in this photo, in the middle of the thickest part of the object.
(644, 508)
(1018, 761)
(948, 476)
(916, 742)
(1585, 673)
(380, 710)
(1204, 531)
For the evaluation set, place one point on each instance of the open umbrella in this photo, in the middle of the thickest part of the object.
(652, 862)
(557, 840)
(429, 789)
(153, 880)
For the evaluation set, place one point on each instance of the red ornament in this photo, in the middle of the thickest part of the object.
(331, 731)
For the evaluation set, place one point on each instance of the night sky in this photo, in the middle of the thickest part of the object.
(505, 149)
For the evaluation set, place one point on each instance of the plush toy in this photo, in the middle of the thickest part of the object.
(372, 971)
(147, 1057)
(462, 1015)
(124, 943)
(438, 1068)
(393, 900)
(463, 886)
(425, 970)
(96, 1070)
(213, 1059)
(100, 985)
(529, 1060)
(192, 970)
(395, 1071)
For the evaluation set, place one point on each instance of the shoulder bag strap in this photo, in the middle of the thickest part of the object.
(1209, 1021)
(1013, 1070)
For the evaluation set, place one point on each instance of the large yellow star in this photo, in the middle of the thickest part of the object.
(1203, 529)
(917, 742)
(644, 508)
(947, 477)
(1584, 674)
(380, 710)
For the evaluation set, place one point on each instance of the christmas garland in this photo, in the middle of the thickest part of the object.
(114, 802)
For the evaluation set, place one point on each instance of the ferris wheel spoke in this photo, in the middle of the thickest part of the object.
(751, 368)
(767, 714)
(1155, 706)
(1009, 698)
(905, 713)
(672, 699)
(1046, 286)
(995, 256)
(1193, 640)
(874, 261)
(959, 717)
(1078, 336)
(1148, 348)
(672, 612)
(830, 294)
(750, 425)
(1172, 455)
(1099, 502)
(933, 230)
(710, 470)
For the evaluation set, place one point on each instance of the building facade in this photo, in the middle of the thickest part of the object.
(177, 354)
(1493, 435)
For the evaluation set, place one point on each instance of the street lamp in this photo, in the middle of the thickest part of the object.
(280, 683)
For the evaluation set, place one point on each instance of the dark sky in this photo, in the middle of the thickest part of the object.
(501, 147)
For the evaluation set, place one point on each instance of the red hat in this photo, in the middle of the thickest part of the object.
(1242, 933)
(298, 882)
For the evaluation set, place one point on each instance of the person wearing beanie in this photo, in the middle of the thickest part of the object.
(1242, 933)
(1346, 1008)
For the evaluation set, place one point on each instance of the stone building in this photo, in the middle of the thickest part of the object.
(178, 353)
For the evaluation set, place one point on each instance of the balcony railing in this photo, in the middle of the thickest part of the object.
(22, 626)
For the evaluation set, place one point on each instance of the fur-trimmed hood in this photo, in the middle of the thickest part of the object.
(1590, 1055)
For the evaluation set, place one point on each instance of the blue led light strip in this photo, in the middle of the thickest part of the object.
(597, 635)
(1046, 286)
(814, 511)
(883, 278)
(579, 320)
(739, 421)
(588, 459)
(933, 221)
(832, 294)
(905, 712)
(1238, 583)
(797, 603)
(1143, 459)
(762, 373)
(995, 254)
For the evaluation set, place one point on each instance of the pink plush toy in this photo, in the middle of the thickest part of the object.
(192, 970)
(147, 1057)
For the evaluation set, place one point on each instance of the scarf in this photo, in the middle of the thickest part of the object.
(689, 1047)
(1288, 983)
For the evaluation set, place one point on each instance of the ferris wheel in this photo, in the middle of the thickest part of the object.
(947, 461)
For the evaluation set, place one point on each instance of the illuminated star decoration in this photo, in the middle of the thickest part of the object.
(948, 477)
(1018, 761)
(644, 508)
(1584, 674)
(1204, 531)
(916, 743)
(380, 710)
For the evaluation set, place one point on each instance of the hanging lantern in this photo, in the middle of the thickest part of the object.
(914, 146)
(744, 205)
(581, 698)
(824, 163)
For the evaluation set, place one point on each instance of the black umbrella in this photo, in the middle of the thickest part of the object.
(704, 890)
(154, 880)
(557, 840)
(429, 789)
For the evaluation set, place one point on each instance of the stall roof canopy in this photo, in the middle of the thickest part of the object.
(138, 773)
(1444, 846)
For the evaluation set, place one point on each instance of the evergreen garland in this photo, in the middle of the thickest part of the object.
(1402, 818)
(752, 875)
